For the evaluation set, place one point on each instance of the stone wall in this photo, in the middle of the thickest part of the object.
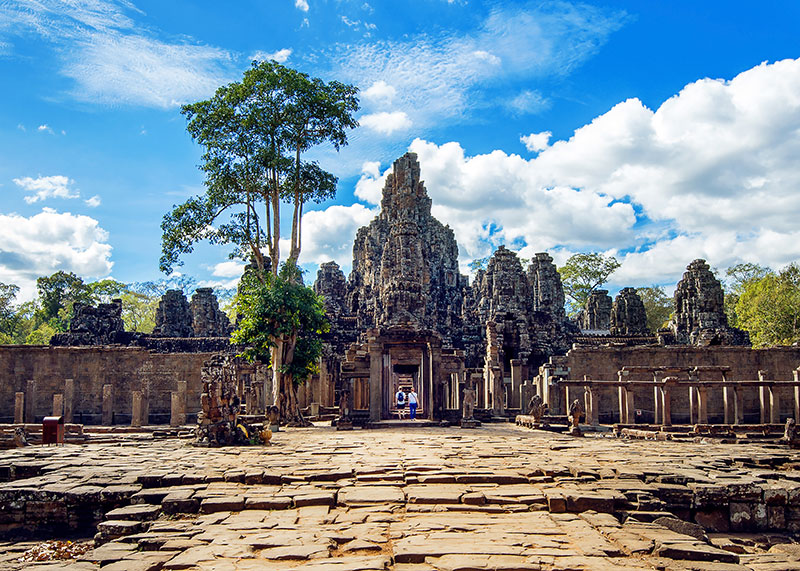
(127, 369)
(602, 363)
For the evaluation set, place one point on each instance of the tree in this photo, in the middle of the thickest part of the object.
(255, 133)
(57, 294)
(581, 274)
(9, 317)
(139, 310)
(281, 321)
(739, 277)
(657, 305)
(768, 308)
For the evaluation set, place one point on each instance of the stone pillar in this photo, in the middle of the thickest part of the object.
(177, 412)
(136, 408)
(774, 405)
(623, 405)
(30, 402)
(666, 405)
(693, 416)
(19, 408)
(58, 404)
(182, 390)
(630, 406)
(376, 382)
(69, 400)
(763, 398)
(516, 382)
(108, 405)
(728, 402)
(797, 404)
(591, 403)
(498, 406)
(658, 406)
(702, 402)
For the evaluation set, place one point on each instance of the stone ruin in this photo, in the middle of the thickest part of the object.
(628, 316)
(94, 325)
(700, 318)
(503, 326)
(173, 315)
(596, 316)
(220, 420)
(207, 318)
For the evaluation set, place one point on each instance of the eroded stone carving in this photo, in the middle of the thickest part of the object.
(597, 313)
(173, 315)
(628, 316)
(536, 408)
(700, 318)
(207, 318)
(576, 411)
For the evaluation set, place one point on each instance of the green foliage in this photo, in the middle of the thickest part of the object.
(657, 305)
(581, 274)
(278, 311)
(768, 307)
(139, 311)
(254, 134)
(9, 319)
(42, 334)
(59, 292)
(739, 277)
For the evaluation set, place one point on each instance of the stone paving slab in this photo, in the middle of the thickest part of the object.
(498, 497)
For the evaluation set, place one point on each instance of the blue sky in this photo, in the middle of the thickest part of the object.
(656, 131)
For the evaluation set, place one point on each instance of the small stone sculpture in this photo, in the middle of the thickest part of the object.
(344, 422)
(576, 410)
(468, 411)
(20, 438)
(790, 435)
(536, 408)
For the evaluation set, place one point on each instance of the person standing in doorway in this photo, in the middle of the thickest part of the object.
(412, 404)
(400, 399)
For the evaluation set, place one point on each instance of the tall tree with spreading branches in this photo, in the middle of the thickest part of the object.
(581, 274)
(255, 134)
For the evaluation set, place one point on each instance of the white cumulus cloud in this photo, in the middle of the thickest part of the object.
(328, 234)
(50, 241)
(385, 122)
(301, 5)
(93, 202)
(379, 92)
(45, 187)
(536, 142)
(279, 56)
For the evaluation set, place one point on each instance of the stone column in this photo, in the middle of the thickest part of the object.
(591, 403)
(136, 408)
(108, 405)
(69, 400)
(623, 405)
(658, 413)
(177, 412)
(516, 382)
(774, 405)
(527, 390)
(763, 398)
(376, 382)
(182, 390)
(797, 404)
(498, 406)
(702, 408)
(30, 402)
(630, 406)
(19, 408)
(58, 404)
(728, 402)
(693, 416)
(666, 405)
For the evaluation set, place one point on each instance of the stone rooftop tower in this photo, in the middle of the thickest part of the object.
(405, 262)
(700, 310)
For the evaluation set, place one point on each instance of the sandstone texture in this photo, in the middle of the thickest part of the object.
(501, 497)
(700, 318)
(628, 316)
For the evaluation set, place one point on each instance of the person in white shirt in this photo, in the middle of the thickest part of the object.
(412, 404)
